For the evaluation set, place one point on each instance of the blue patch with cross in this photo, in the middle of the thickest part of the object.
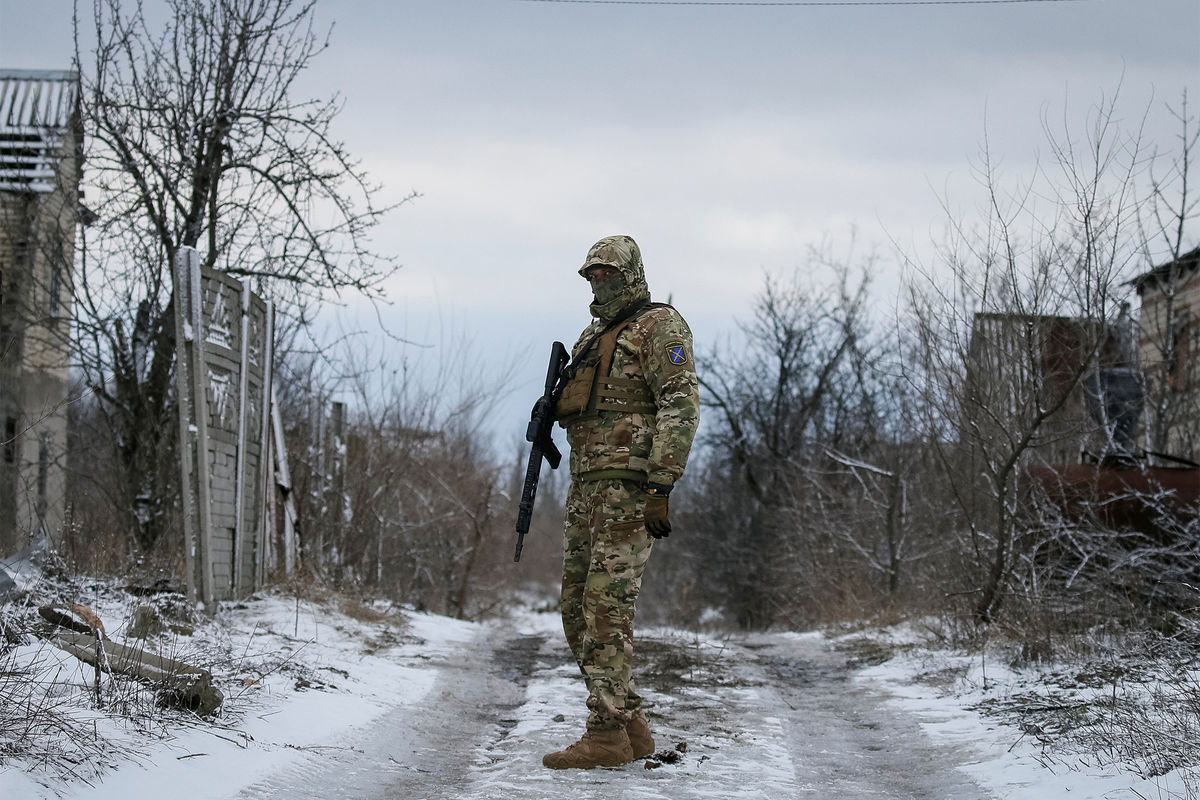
(677, 353)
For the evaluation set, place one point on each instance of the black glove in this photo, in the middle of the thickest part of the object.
(658, 524)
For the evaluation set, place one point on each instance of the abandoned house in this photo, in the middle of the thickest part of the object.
(1121, 403)
(40, 154)
(1169, 347)
(1072, 383)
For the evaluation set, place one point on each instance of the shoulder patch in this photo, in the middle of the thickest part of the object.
(677, 353)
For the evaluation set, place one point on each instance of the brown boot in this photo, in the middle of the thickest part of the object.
(595, 749)
(640, 739)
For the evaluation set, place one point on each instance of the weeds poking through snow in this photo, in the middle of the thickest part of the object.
(1139, 713)
(40, 723)
(60, 724)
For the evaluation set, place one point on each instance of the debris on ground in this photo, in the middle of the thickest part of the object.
(84, 621)
(666, 756)
(180, 685)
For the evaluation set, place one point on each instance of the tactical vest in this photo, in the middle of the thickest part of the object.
(590, 389)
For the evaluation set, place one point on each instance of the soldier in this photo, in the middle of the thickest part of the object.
(630, 406)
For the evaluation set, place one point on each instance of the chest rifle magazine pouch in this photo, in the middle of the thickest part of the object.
(576, 394)
(590, 388)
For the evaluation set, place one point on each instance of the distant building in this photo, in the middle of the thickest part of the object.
(1169, 349)
(40, 160)
(1154, 493)
(1071, 385)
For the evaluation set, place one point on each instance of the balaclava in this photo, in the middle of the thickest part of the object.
(624, 289)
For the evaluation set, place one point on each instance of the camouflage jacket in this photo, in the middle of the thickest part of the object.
(649, 433)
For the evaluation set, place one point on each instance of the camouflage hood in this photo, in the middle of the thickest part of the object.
(621, 252)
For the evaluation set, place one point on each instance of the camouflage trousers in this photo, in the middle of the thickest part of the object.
(606, 550)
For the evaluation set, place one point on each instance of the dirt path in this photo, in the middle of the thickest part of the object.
(422, 750)
(769, 716)
(843, 742)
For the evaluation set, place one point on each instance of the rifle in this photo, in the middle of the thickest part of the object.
(541, 423)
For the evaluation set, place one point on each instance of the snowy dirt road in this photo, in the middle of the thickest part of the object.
(767, 716)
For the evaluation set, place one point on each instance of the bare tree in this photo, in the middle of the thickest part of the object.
(418, 513)
(197, 138)
(880, 505)
(799, 380)
(1022, 309)
(1170, 313)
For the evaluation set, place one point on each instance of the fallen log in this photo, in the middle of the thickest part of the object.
(181, 684)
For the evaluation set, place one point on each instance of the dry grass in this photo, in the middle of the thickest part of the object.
(40, 723)
(1133, 703)
(54, 723)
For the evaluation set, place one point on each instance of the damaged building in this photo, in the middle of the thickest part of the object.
(1169, 347)
(1073, 383)
(40, 159)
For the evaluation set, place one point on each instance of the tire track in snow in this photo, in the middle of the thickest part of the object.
(767, 717)
(764, 717)
(735, 745)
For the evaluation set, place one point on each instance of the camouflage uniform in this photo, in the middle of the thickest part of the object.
(630, 424)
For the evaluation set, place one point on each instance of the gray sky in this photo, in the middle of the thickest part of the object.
(724, 139)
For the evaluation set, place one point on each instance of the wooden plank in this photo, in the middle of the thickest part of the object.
(191, 685)
(240, 473)
(221, 358)
(283, 480)
(223, 438)
(266, 489)
(184, 333)
(203, 480)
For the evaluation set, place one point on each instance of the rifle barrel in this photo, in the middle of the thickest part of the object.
(528, 493)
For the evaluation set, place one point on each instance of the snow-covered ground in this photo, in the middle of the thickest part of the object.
(327, 699)
(1016, 761)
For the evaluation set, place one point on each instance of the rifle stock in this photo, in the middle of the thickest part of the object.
(539, 434)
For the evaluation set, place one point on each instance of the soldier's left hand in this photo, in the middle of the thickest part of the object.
(657, 523)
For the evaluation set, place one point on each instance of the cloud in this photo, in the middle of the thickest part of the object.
(725, 140)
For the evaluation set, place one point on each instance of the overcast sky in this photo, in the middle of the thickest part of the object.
(724, 139)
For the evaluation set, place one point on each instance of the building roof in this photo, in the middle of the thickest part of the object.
(1187, 261)
(38, 109)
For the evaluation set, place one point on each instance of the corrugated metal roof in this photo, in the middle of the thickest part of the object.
(36, 111)
(1186, 262)
(37, 99)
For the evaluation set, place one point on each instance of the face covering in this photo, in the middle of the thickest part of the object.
(608, 290)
